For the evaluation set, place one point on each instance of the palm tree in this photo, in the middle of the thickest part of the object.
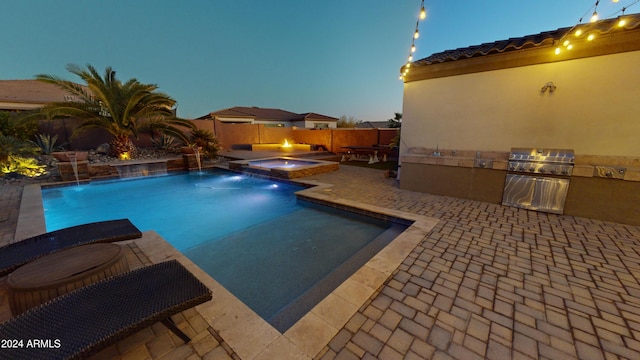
(123, 109)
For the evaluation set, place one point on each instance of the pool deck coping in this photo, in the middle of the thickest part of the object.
(250, 336)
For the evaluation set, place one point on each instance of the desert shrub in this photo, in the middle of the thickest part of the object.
(207, 141)
(22, 165)
(47, 143)
(13, 125)
(165, 142)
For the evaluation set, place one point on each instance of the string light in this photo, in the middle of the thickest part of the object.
(558, 50)
(416, 34)
(579, 30)
(594, 17)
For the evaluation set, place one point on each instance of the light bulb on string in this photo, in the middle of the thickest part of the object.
(423, 13)
(594, 16)
(558, 51)
(578, 32)
(410, 58)
(622, 21)
(413, 48)
(416, 34)
(590, 37)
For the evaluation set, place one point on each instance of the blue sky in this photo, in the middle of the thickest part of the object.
(334, 57)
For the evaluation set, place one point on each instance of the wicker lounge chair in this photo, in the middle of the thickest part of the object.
(87, 320)
(19, 253)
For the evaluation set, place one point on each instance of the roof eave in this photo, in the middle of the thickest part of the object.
(611, 43)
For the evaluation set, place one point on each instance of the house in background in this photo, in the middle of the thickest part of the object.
(373, 125)
(271, 118)
(576, 88)
(19, 95)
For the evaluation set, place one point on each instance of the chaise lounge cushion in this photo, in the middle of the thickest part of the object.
(85, 321)
(19, 253)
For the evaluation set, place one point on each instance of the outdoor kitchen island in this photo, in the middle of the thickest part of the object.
(601, 187)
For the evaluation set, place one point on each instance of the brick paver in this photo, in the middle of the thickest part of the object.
(488, 282)
(506, 283)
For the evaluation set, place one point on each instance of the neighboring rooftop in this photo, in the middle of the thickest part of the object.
(254, 112)
(28, 94)
(265, 114)
(373, 124)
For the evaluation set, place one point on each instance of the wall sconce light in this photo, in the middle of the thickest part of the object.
(550, 87)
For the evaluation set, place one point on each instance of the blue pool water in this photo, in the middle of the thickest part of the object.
(276, 254)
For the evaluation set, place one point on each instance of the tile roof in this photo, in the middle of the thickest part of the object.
(514, 44)
(373, 124)
(317, 116)
(30, 92)
(264, 114)
(256, 113)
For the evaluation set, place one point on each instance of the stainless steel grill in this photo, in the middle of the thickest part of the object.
(538, 179)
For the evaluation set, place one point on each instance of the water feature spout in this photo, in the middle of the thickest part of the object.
(74, 164)
(197, 152)
(140, 169)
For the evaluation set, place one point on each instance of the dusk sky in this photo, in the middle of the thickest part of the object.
(334, 57)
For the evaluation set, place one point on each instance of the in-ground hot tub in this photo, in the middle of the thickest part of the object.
(284, 167)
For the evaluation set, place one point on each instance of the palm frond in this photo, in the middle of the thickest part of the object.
(108, 103)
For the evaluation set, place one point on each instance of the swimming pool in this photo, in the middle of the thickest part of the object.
(278, 255)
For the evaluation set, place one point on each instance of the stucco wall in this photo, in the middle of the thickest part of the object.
(317, 137)
(595, 108)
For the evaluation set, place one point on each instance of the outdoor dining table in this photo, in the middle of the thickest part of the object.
(59, 273)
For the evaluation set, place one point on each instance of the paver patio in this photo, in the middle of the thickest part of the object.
(488, 281)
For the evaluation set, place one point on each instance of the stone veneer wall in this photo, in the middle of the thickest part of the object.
(87, 171)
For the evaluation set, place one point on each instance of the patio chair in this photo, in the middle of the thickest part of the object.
(19, 253)
(85, 321)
